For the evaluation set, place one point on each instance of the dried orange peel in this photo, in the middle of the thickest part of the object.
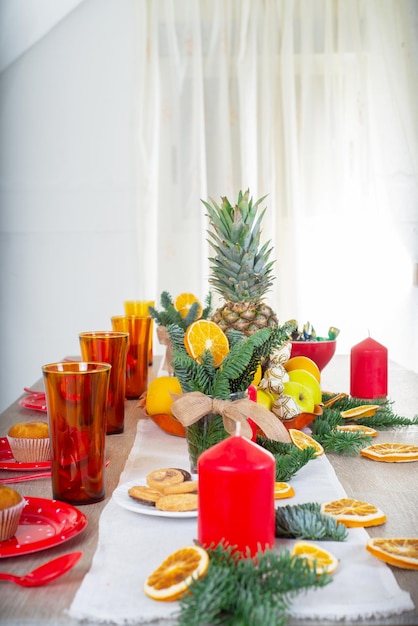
(283, 490)
(401, 552)
(358, 428)
(325, 561)
(365, 410)
(354, 513)
(174, 576)
(391, 452)
(301, 440)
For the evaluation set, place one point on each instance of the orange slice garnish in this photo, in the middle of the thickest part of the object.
(366, 410)
(173, 577)
(391, 452)
(205, 335)
(358, 428)
(283, 490)
(302, 441)
(334, 399)
(184, 301)
(354, 513)
(325, 561)
(401, 552)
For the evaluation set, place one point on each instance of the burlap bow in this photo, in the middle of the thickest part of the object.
(191, 407)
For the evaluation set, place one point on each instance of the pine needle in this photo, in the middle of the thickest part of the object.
(289, 459)
(305, 521)
(247, 591)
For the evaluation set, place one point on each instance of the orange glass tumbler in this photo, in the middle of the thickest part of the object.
(137, 359)
(109, 347)
(140, 308)
(76, 397)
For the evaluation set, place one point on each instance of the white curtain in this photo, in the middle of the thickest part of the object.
(313, 102)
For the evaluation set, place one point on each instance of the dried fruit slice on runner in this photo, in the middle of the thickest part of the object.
(331, 401)
(206, 335)
(283, 490)
(302, 441)
(391, 452)
(326, 562)
(402, 552)
(176, 573)
(358, 428)
(354, 513)
(184, 301)
(365, 410)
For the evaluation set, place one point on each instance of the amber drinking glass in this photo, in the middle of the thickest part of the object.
(109, 347)
(76, 397)
(137, 359)
(140, 308)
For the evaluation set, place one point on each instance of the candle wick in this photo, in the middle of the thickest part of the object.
(237, 429)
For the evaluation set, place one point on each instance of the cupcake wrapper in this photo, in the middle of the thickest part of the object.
(9, 520)
(30, 450)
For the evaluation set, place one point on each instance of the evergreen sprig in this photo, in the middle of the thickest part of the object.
(252, 591)
(305, 521)
(238, 367)
(289, 459)
(169, 314)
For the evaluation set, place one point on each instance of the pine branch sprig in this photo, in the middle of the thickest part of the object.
(169, 314)
(247, 592)
(305, 521)
(289, 459)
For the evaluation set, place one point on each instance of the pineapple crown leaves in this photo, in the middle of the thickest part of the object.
(238, 367)
(169, 314)
(241, 270)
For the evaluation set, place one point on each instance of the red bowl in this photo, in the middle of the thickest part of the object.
(321, 352)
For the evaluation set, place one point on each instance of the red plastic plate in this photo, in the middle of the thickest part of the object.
(44, 524)
(7, 461)
(36, 402)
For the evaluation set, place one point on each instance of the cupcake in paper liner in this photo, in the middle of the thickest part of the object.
(11, 507)
(29, 442)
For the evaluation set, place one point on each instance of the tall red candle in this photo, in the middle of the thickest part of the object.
(236, 495)
(369, 370)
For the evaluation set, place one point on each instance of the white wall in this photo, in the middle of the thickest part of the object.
(67, 189)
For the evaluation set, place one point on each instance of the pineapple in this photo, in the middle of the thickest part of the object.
(241, 271)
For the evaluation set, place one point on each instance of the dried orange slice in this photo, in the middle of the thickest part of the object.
(358, 428)
(302, 441)
(283, 490)
(184, 301)
(334, 399)
(401, 552)
(391, 452)
(354, 513)
(366, 410)
(173, 577)
(325, 561)
(206, 335)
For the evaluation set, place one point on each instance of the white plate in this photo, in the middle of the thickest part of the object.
(124, 500)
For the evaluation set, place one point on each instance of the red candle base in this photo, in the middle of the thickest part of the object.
(369, 370)
(236, 496)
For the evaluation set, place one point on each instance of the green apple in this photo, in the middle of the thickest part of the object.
(266, 398)
(301, 395)
(308, 380)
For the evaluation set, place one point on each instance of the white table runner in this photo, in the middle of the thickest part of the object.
(132, 545)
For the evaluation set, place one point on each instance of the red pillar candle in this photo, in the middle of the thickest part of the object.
(236, 496)
(369, 370)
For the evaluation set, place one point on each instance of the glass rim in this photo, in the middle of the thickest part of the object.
(104, 334)
(74, 367)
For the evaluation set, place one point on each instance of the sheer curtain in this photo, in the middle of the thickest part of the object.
(314, 103)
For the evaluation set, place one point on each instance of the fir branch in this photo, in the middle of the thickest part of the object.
(305, 521)
(324, 431)
(169, 314)
(289, 459)
(247, 591)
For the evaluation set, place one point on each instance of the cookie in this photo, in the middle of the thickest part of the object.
(161, 478)
(144, 495)
(177, 502)
(190, 486)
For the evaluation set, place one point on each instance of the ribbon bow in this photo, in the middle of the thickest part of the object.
(191, 407)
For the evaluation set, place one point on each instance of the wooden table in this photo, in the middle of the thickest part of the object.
(392, 487)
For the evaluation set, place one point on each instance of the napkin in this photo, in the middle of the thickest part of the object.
(132, 545)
